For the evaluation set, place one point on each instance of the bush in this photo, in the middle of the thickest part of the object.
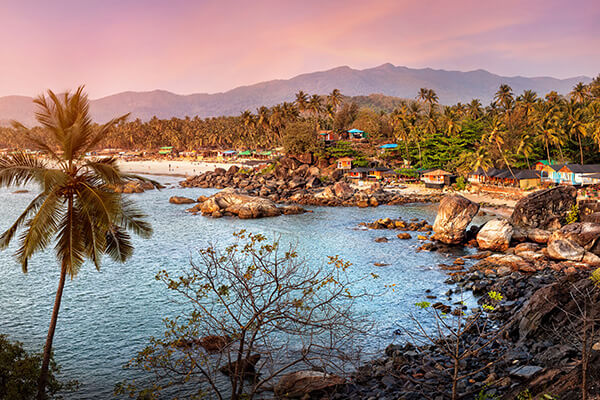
(573, 214)
(20, 371)
(460, 184)
(301, 137)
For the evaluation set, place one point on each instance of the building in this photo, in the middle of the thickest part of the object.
(359, 173)
(437, 178)
(376, 173)
(389, 146)
(345, 163)
(571, 174)
(543, 164)
(356, 134)
(517, 178)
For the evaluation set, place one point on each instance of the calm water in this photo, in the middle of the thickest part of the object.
(107, 316)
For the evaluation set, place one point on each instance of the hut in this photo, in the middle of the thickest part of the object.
(357, 134)
(437, 178)
(357, 173)
(344, 163)
(376, 173)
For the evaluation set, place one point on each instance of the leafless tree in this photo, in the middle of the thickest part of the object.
(256, 313)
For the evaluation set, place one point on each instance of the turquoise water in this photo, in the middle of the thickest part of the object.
(107, 316)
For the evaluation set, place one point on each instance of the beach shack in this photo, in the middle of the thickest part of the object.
(520, 178)
(246, 153)
(359, 173)
(388, 146)
(436, 179)
(264, 155)
(577, 174)
(376, 173)
(356, 134)
(165, 150)
(344, 163)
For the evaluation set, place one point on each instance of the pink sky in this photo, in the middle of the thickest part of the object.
(211, 46)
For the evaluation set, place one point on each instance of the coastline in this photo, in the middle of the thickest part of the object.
(176, 168)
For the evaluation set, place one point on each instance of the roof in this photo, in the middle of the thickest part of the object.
(547, 162)
(595, 176)
(582, 169)
(346, 159)
(245, 153)
(526, 174)
(229, 152)
(359, 169)
(355, 131)
(437, 172)
(389, 146)
(382, 169)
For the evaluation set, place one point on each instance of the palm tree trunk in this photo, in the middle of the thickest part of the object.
(548, 150)
(580, 148)
(41, 395)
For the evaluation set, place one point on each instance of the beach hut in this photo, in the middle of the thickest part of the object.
(357, 173)
(246, 153)
(264, 155)
(344, 163)
(357, 134)
(165, 150)
(376, 173)
(544, 164)
(437, 178)
(528, 179)
(389, 146)
(577, 174)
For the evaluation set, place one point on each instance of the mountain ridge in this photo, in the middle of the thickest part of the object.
(398, 81)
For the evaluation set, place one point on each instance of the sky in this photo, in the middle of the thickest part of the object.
(206, 46)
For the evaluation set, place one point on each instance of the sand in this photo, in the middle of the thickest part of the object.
(172, 168)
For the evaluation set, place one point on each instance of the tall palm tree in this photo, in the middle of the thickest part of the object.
(576, 123)
(334, 99)
(474, 109)
(580, 93)
(76, 207)
(301, 101)
(504, 97)
(496, 136)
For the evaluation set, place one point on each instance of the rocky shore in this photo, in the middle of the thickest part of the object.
(544, 328)
(304, 182)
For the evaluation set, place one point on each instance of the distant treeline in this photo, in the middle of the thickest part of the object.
(514, 130)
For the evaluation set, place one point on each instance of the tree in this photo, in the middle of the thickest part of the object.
(580, 93)
(257, 312)
(301, 101)
(504, 97)
(20, 372)
(300, 137)
(334, 99)
(76, 206)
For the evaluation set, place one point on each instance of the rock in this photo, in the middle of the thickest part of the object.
(219, 171)
(214, 343)
(301, 384)
(247, 366)
(403, 235)
(515, 263)
(538, 235)
(381, 240)
(503, 271)
(201, 199)
(584, 234)
(342, 190)
(379, 264)
(243, 206)
(565, 249)
(525, 371)
(495, 235)
(326, 194)
(181, 200)
(292, 210)
(593, 217)
(454, 215)
(305, 158)
(591, 259)
(544, 209)
(234, 169)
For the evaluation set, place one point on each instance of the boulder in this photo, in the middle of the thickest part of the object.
(301, 384)
(538, 235)
(244, 206)
(234, 169)
(584, 234)
(181, 200)
(213, 343)
(515, 263)
(342, 190)
(593, 217)
(495, 235)
(565, 249)
(545, 209)
(454, 215)
(326, 194)
(403, 236)
(247, 366)
(305, 158)
(292, 210)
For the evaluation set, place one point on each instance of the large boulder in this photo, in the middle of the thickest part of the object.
(545, 209)
(301, 384)
(584, 234)
(342, 190)
(454, 215)
(244, 206)
(565, 249)
(495, 235)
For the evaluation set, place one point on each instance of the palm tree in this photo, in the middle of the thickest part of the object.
(452, 121)
(301, 101)
(422, 95)
(504, 97)
(576, 123)
(474, 109)
(496, 136)
(580, 93)
(334, 99)
(76, 207)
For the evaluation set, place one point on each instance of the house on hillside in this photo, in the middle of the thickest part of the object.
(376, 173)
(436, 178)
(359, 173)
(517, 178)
(575, 174)
(356, 134)
(344, 163)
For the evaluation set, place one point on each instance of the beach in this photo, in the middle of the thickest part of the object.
(182, 168)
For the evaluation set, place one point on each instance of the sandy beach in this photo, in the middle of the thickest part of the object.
(170, 167)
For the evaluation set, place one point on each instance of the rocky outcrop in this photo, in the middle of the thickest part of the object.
(230, 202)
(303, 384)
(181, 200)
(495, 235)
(454, 215)
(545, 209)
(578, 242)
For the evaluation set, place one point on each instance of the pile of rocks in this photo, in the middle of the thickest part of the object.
(413, 225)
(135, 187)
(291, 181)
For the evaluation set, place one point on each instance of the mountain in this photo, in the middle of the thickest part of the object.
(386, 79)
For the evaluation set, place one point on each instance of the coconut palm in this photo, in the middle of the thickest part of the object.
(474, 109)
(580, 93)
(504, 97)
(76, 207)
(576, 123)
(301, 101)
(334, 99)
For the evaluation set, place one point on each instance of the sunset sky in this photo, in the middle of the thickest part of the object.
(211, 46)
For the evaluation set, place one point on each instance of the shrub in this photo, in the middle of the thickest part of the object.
(573, 214)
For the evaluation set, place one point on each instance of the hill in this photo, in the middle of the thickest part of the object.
(386, 79)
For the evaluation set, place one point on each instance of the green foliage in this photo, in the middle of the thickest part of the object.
(423, 305)
(301, 137)
(460, 184)
(573, 214)
(20, 371)
(341, 149)
(408, 172)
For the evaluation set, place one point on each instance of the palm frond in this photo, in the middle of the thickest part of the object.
(118, 244)
(133, 219)
(40, 229)
(70, 245)
(19, 169)
(32, 208)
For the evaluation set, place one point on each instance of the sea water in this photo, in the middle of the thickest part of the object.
(107, 316)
